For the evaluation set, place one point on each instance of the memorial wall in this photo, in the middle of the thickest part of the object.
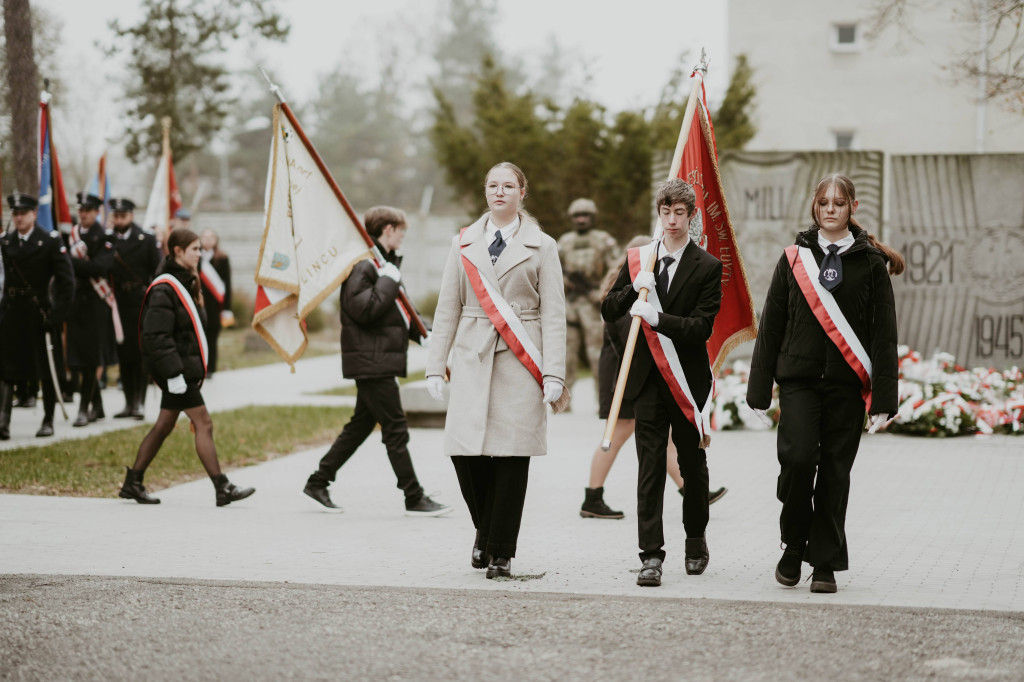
(958, 220)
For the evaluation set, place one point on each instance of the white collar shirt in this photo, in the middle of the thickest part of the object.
(507, 233)
(676, 256)
(844, 244)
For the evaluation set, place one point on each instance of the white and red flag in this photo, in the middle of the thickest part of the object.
(164, 198)
(711, 228)
(311, 241)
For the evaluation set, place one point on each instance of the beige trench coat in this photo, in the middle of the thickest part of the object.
(496, 405)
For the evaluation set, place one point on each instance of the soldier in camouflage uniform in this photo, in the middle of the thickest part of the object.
(586, 254)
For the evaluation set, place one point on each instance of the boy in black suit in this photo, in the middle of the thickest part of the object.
(670, 376)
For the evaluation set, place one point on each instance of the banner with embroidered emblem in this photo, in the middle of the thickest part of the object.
(830, 316)
(667, 359)
(311, 240)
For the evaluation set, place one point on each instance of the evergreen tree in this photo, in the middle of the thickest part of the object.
(734, 124)
(175, 70)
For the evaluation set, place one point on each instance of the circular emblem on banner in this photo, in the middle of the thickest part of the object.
(829, 274)
(697, 229)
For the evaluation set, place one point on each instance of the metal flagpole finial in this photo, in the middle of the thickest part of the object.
(276, 91)
(45, 95)
(702, 65)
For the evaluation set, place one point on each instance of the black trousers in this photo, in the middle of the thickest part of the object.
(819, 433)
(495, 490)
(656, 411)
(377, 402)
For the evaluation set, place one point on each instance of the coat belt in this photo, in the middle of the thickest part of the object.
(525, 315)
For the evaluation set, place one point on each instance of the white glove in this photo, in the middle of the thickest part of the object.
(645, 280)
(552, 391)
(645, 310)
(389, 270)
(763, 416)
(177, 385)
(425, 341)
(435, 387)
(877, 421)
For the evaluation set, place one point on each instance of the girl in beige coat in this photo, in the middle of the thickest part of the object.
(496, 415)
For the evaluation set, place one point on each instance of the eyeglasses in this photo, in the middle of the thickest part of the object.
(507, 188)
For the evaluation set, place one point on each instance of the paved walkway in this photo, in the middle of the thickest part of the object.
(932, 523)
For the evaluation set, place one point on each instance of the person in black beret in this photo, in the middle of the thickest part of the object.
(136, 258)
(36, 263)
(90, 341)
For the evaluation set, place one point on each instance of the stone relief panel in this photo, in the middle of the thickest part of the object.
(769, 196)
(959, 222)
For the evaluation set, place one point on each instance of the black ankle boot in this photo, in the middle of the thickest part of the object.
(96, 411)
(133, 488)
(594, 506)
(228, 492)
(46, 428)
(6, 403)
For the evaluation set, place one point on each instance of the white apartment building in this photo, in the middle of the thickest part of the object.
(824, 84)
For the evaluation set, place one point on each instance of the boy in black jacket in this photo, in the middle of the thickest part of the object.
(375, 334)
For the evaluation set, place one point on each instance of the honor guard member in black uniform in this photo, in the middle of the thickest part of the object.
(90, 327)
(33, 258)
(136, 258)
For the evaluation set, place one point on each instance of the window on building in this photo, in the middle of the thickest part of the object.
(844, 139)
(845, 38)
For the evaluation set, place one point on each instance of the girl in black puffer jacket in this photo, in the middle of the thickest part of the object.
(822, 397)
(175, 353)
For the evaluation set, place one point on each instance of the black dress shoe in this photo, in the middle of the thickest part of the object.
(319, 494)
(45, 430)
(125, 413)
(697, 556)
(228, 492)
(788, 570)
(823, 580)
(650, 574)
(81, 420)
(500, 567)
(716, 495)
(479, 557)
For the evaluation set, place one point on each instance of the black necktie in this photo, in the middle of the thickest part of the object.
(831, 275)
(663, 278)
(496, 247)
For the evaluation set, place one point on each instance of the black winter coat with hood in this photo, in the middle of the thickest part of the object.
(374, 336)
(792, 346)
(169, 343)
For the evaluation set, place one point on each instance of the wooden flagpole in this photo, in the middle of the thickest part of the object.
(634, 328)
(402, 296)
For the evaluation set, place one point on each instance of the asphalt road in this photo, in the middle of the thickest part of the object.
(103, 628)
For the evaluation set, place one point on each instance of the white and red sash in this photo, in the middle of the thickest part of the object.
(190, 307)
(505, 321)
(667, 359)
(826, 310)
(99, 284)
(212, 280)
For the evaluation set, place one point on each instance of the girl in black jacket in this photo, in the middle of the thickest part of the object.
(175, 353)
(822, 397)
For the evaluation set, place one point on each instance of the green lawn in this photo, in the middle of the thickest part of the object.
(94, 467)
(241, 347)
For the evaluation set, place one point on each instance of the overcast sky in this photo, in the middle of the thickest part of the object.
(631, 47)
(629, 50)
